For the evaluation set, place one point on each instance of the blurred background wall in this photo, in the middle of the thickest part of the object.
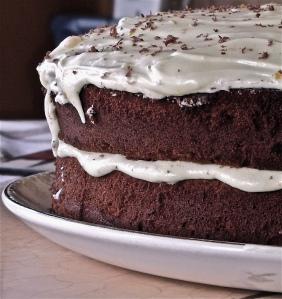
(25, 36)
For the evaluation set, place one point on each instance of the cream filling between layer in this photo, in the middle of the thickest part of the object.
(171, 172)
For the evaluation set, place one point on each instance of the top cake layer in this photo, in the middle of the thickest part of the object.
(171, 54)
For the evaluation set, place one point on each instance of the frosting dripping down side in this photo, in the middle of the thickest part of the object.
(171, 172)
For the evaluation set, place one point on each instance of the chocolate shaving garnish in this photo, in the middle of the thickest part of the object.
(270, 42)
(258, 15)
(195, 22)
(113, 31)
(118, 45)
(244, 50)
(105, 75)
(100, 30)
(260, 25)
(278, 75)
(215, 30)
(198, 36)
(132, 30)
(144, 50)
(93, 49)
(137, 39)
(149, 25)
(184, 47)
(264, 55)
(253, 7)
(157, 37)
(129, 71)
(271, 7)
(223, 39)
(157, 52)
(74, 72)
(207, 38)
(170, 39)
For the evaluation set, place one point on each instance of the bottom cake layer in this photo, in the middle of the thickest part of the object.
(194, 208)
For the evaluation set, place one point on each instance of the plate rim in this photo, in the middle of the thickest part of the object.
(260, 260)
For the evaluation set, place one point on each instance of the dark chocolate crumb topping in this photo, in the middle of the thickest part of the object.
(264, 55)
(170, 39)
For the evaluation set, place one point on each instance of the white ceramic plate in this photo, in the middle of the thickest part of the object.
(218, 263)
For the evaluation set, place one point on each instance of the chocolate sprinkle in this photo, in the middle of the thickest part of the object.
(113, 31)
(195, 22)
(144, 50)
(129, 72)
(93, 49)
(170, 39)
(264, 55)
(223, 39)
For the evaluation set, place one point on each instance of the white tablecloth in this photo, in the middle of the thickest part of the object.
(20, 137)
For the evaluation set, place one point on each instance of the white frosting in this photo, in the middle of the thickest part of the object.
(56, 196)
(171, 172)
(50, 113)
(122, 63)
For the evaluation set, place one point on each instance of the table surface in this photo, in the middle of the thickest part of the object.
(34, 267)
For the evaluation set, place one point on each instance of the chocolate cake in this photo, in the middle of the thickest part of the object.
(171, 124)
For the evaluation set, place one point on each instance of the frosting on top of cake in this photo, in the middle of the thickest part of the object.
(171, 54)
